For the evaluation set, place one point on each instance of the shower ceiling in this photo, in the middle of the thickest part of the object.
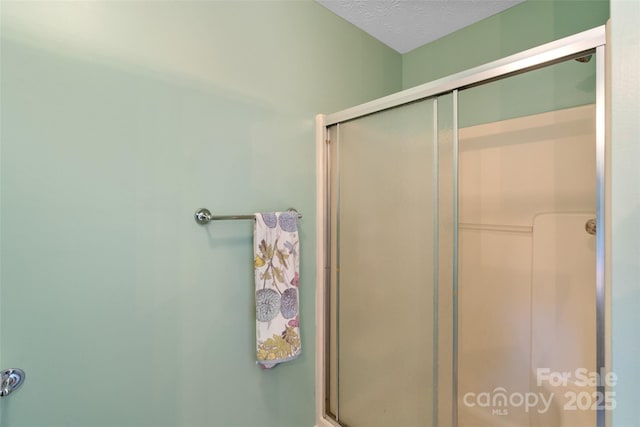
(407, 24)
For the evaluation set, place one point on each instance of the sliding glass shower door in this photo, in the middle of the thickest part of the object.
(465, 248)
(526, 255)
(382, 301)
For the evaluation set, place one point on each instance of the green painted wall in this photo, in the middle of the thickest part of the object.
(625, 202)
(521, 27)
(119, 119)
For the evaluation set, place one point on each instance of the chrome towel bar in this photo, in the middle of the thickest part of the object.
(204, 216)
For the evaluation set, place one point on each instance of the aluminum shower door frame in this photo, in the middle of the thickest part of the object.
(575, 46)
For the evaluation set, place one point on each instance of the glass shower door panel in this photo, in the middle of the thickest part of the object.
(526, 265)
(385, 255)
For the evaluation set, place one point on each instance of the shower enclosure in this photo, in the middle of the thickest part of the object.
(464, 233)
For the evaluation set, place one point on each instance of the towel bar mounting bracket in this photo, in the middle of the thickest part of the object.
(202, 216)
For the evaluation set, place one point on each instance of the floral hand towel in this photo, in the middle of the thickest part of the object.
(276, 265)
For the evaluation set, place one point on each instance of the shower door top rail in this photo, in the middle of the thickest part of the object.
(572, 46)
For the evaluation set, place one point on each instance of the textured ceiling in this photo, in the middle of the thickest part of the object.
(407, 24)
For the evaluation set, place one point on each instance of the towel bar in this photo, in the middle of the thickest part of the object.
(204, 216)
